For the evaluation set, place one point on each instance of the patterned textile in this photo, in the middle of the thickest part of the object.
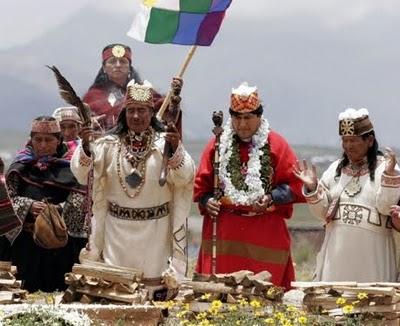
(8, 219)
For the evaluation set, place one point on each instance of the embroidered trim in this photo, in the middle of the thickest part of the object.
(390, 181)
(313, 197)
(142, 214)
(84, 160)
(177, 160)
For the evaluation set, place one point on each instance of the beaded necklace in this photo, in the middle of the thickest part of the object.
(136, 156)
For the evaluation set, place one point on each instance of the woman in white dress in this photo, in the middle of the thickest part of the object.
(354, 197)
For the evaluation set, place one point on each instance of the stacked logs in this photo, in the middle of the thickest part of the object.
(10, 287)
(92, 282)
(380, 300)
(230, 288)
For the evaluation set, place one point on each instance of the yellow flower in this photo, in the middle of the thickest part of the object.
(201, 315)
(233, 308)
(269, 321)
(347, 309)
(257, 313)
(243, 302)
(340, 301)
(187, 306)
(279, 315)
(362, 295)
(181, 314)
(302, 320)
(238, 322)
(213, 311)
(168, 304)
(216, 304)
(290, 308)
(255, 304)
(206, 296)
(271, 291)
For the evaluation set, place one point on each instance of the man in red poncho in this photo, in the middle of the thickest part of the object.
(258, 192)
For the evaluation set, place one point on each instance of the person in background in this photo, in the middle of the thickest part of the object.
(41, 171)
(106, 95)
(258, 191)
(76, 221)
(354, 197)
(70, 122)
(137, 223)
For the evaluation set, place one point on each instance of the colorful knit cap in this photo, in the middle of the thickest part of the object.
(354, 122)
(139, 94)
(68, 113)
(244, 99)
(46, 127)
(118, 51)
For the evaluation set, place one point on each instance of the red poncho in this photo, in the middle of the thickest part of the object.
(255, 243)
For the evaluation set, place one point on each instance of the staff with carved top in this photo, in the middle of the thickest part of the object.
(137, 223)
(217, 119)
(258, 190)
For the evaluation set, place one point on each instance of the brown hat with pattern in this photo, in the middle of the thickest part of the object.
(139, 94)
(354, 122)
(244, 99)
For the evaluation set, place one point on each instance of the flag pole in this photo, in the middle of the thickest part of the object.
(180, 74)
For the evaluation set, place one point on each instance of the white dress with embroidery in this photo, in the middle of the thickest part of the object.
(359, 244)
(144, 245)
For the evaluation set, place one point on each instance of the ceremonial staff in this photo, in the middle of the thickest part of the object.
(217, 119)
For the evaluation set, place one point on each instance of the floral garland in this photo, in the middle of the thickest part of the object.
(255, 184)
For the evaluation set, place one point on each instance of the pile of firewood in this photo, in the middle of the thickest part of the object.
(229, 288)
(10, 287)
(381, 300)
(98, 282)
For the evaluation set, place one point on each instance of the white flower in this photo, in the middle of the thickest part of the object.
(253, 177)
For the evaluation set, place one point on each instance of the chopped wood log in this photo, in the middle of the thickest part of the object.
(6, 297)
(5, 266)
(69, 294)
(87, 299)
(107, 274)
(110, 294)
(138, 273)
(390, 291)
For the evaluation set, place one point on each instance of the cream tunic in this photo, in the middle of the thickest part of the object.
(144, 245)
(359, 244)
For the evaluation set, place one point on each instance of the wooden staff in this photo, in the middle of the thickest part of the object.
(217, 118)
(171, 119)
(180, 74)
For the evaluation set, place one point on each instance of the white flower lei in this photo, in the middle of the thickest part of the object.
(253, 177)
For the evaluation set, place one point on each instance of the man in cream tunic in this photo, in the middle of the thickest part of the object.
(136, 222)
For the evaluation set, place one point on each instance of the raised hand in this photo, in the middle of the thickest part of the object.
(306, 174)
(390, 162)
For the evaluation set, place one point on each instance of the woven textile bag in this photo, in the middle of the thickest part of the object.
(50, 231)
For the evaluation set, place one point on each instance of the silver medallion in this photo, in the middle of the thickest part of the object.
(134, 179)
(353, 188)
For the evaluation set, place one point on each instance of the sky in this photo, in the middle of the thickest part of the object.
(310, 59)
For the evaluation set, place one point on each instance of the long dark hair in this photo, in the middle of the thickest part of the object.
(122, 126)
(102, 80)
(372, 156)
